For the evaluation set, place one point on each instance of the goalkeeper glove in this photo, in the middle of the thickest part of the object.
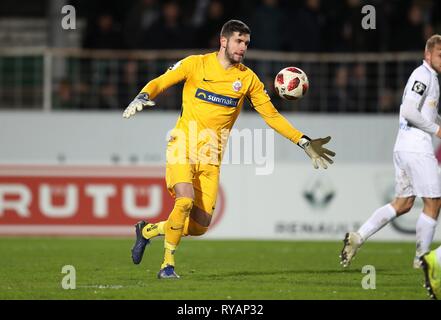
(141, 101)
(316, 152)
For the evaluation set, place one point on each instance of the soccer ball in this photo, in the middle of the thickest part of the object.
(291, 83)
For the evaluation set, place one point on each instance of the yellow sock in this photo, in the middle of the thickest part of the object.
(176, 221)
(186, 223)
(161, 226)
(175, 227)
(169, 255)
(152, 230)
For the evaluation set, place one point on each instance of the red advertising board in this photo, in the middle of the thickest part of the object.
(83, 200)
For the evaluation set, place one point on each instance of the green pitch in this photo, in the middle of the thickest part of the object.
(31, 269)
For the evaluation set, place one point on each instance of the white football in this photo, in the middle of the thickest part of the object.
(291, 83)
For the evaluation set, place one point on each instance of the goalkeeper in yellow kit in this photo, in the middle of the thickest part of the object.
(215, 88)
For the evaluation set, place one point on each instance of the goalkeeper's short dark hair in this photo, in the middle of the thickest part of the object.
(232, 26)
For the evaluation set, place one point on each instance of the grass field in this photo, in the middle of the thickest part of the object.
(31, 269)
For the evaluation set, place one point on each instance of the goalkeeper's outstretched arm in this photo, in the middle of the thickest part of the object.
(173, 75)
(140, 102)
(319, 155)
(150, 91)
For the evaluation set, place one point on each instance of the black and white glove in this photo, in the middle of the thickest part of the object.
(140, 102)
(316, 152)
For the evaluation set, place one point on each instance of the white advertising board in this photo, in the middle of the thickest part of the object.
(96, 173)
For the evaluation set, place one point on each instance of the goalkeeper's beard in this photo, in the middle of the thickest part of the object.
(230, 56)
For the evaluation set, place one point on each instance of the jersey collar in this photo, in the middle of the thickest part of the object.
(429, 67)
(219, 66)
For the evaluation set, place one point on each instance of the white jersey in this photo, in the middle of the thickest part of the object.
(422, 88)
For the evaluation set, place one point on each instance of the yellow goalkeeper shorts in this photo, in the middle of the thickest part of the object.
(203, 177)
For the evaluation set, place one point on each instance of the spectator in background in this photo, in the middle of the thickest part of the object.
(129, 83)
(139, 22)
(436, 17)
(103, 33)
(358, 89)
(339, 99)
(69, 95)
(387, 101)
(362, 92)
(307, 28)
(353, 38)
(99, 83)
(108, 94)
(169, 32)
(426, 7)
(63, 96)
(208, 31)
(348, 91)
(268, 24)
(385, 23)
(409, 34)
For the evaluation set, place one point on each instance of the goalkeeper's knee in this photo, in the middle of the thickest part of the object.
(180, 212)
(184, 204)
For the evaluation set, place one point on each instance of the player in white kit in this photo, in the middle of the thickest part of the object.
(416, 168)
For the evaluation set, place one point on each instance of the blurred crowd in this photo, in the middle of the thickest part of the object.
(331, 26)
(279, 25)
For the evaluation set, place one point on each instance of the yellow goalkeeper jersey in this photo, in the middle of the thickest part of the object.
(213, 97)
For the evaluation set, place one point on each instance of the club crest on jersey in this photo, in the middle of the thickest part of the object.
(419, 87)
(237, 85)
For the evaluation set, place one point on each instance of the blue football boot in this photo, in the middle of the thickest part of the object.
(168, 272)
(140, 243)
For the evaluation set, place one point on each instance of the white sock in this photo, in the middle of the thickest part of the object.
(378, 220)
(425, 229)
(438, 254)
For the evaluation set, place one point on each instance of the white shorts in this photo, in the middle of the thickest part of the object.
(416, 174)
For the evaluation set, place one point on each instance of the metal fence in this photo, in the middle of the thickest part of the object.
(76, 79)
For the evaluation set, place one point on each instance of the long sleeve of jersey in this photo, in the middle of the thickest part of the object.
(261, 102)
(278, 122)
(175, 74)
(413, 100)
(409, 110)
